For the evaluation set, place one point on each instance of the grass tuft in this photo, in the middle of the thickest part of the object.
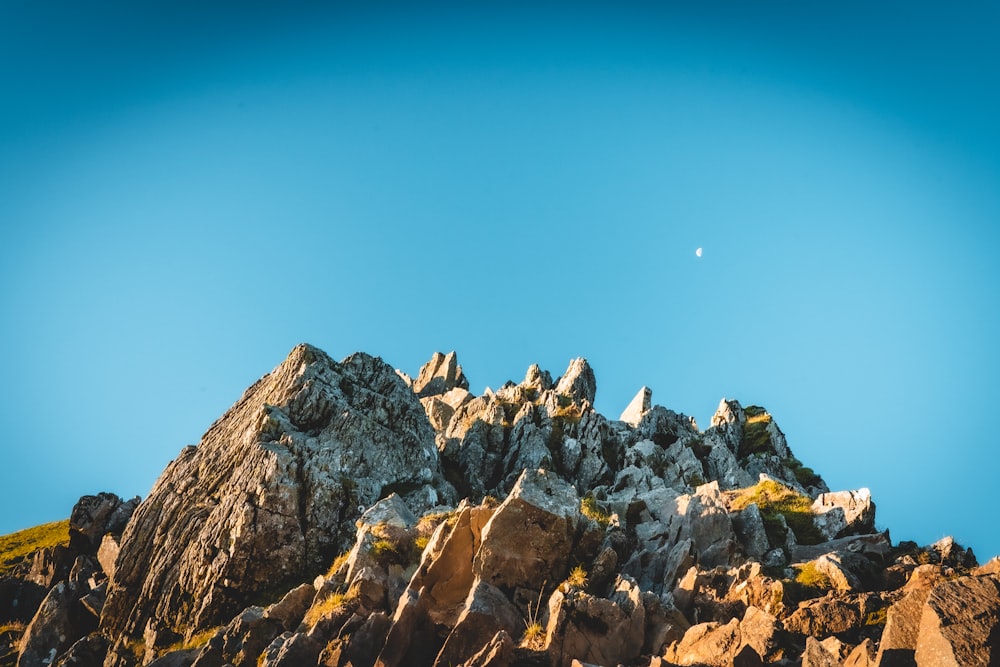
(773, 499)
(327, 607)
(338, 563)
(756, 439)
(877, 617)
(577, 577)
(590, 509)
(533, 637)
(812, 577)
(534, 634)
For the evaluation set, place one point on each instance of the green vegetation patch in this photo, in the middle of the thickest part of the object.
(810, 576)
(577, 577)
(877, 617)
(392, 547)
(590, 509)
(16, 547)
(198, 640)
(756, 439)
(804, 475)
(328, 607)
(773, 499)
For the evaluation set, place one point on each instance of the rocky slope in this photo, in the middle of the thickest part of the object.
(342, 513)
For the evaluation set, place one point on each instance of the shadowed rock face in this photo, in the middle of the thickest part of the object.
(270, 493)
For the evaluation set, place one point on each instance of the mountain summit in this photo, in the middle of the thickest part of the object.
(342, 513)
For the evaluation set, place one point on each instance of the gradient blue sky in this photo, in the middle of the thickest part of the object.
(187, 190)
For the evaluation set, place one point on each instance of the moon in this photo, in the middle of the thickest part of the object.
(697, 253)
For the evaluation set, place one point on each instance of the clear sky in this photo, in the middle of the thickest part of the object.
(187, 190)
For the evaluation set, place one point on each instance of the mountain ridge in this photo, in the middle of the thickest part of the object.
(659, 520)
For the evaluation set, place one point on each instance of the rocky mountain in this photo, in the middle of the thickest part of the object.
(342, 513)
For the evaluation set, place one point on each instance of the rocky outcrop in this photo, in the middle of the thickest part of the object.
(578, 382)
(93, 517)
(845, 513)
(439, 376)
(268, 496)
(319, 522)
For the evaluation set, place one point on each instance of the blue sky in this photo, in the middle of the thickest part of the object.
(188, 191)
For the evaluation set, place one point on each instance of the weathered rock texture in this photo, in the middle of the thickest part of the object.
(269, 495)
(512, 529)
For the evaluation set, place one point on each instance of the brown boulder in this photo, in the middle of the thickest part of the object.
(592, 629)
(960, 624)
(711, 644)
(528, 540)
(899, 639)
(825, 616)
(499, 652)
(485, 613)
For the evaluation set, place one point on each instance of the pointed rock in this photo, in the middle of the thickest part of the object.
(728, 413)
(440, 375)
(638, 408)
(819, 654)
(863, 655)
(270, 495)
(499, 652)
(578, 381)
(537, 379)
(54, 628)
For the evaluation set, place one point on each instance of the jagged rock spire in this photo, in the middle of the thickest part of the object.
(440, 375)
(638, 408)
(728, 412)
(537, 378)
(578, 381)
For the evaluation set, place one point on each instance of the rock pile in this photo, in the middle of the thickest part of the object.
(342, 513)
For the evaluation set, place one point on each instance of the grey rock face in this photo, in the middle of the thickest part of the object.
(95, 516)
(270, 494)
(749, 526)
(578, 381)
(57, 624)
(850, 512)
